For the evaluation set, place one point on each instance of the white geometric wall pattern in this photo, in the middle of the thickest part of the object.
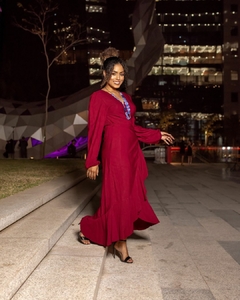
(148, 40)
(68, 115)
(66, 121)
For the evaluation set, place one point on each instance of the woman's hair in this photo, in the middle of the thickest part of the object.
(109, 52)
(109, 60)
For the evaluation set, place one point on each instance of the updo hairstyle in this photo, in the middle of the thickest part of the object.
(109, 60)
(109, 52)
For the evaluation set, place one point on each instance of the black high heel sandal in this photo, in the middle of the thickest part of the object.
(82, 238)
(126, 260)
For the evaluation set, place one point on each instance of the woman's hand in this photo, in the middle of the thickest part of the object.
(92, 172)
(167, 138)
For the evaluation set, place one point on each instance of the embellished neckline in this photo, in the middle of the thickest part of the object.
(125, 104)
(112, 94)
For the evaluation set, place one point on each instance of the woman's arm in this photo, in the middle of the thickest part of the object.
(96, 122)
(148, 135)
(153, 136)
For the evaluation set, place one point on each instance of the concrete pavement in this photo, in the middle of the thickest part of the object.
(194, 253)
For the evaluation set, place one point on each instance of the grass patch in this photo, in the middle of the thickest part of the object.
(18, 175)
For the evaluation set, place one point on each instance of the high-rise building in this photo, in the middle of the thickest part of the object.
(97, 36)
(1, 25)
(189, 75)
(104, 27)
(198, 73)
(231, 41)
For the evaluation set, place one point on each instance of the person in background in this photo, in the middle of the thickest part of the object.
(72, 149)
(7, 149)
(11, 148)
(111, 128)
(182, 151)
(23, 147)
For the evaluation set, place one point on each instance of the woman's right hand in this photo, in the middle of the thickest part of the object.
(167, 138)
(93, 172)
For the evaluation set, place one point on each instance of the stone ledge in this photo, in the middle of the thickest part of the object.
(25, 243)
(19, 205)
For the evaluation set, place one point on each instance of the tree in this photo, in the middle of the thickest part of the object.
(211, 125)
(38, 20)
(166, 119)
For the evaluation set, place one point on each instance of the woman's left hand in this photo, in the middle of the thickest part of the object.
(93, 172)
(167, 138)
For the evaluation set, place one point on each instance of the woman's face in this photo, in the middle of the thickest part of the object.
(116, 77)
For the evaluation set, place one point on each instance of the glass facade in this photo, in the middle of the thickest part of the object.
(188, 77)
(97, 35)
(231, 40)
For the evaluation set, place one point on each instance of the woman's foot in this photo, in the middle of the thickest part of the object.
(121, 248)
(83, 240)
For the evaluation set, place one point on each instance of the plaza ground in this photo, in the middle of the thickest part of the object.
(193, 253)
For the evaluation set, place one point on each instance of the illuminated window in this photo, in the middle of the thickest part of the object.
(149, 104)
(95, 9)
(176, 48)
(234, 52)
(179, 60)
(94, 81)
(234, 75)
(96, 72)
(94, 61)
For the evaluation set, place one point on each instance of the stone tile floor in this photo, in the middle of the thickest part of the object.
(193, 253)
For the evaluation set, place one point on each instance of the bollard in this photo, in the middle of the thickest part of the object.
(160, 155)
(169, 154)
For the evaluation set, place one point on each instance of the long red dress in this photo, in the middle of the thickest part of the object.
(124, 205)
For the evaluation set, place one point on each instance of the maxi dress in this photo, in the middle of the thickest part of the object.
(124, 206)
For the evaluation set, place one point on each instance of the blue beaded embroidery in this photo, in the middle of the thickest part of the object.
(126, 106)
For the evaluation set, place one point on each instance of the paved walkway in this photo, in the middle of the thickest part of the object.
(193, 253)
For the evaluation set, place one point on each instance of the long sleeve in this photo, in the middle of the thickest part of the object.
(96, 121)
(147, 135)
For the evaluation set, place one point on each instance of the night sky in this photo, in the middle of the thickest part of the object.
(22, 66)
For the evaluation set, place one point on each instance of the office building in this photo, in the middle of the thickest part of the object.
(198, 73)
(188, 77)
(231, 41)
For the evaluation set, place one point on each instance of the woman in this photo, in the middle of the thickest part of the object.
(182, 151)
(124, 205)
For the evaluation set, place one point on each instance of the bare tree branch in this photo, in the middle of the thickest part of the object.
(36, 21)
